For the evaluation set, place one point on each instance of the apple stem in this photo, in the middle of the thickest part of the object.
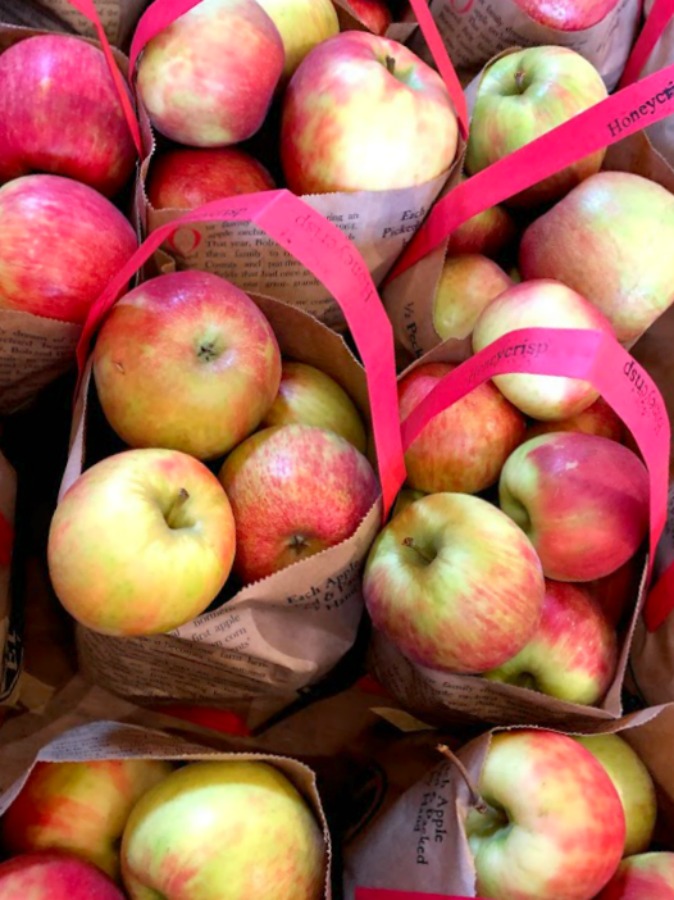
(519, 79)
(175, 508)
(409, 542)
(476, 800)
(391, 65)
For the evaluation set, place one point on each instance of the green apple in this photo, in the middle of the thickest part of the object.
(302, 24)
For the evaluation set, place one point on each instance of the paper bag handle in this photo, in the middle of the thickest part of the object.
(618, 116)
(335, 261)
(592, 356)
(661, 13)
(87, 8)
(6, 541)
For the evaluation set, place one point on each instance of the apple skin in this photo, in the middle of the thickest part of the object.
(79, 807)
(185, 178)
(302, 25)
(61, 242)
(541, 303)
(634, 784)
(616, 593)
(60, 113)
(598, 418)
(186, 361)
(54, 876)
(465, 446)
(554, 828)
(646, 876)
(374, 14)
(573, 653)
(582, 499)
(524, 95)
(295, 490)
(224, 831)
(571, 15)
(490, 232)
(349, 124)
(208, 79)
(609, 239)
(468, 283)
(307, 396)
(453, 584)
(141, 543)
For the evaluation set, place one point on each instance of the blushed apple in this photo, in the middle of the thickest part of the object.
(540, 303)
(598, 418)
(79, 807)
(490, 232)
(646, 876)
(582, 499)
(616, 593)
(141, 543)
(364, 113)
(464, 447)
(230, 830)
(404, 499)
(54, 876)
(468, 283)
(295, 490)
(308, 396)
(523, 95)
(185, 178)
(454, 584)
(573, 653)
(60, 113)
(374, 14)
(567, 15)
(208, 79)
(186, 361)
(302, 25)
(61, 242)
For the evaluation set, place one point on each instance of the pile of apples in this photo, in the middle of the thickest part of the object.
(139, 828)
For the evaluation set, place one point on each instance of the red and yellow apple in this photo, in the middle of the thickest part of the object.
(567, 15)
(374, 14)
(598, 418)
(54, 876)
(490, 232)
(302, 24)
(468, 283)
(646, 876)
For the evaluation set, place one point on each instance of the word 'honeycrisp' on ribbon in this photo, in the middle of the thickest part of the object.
(6, 541)
(592, 356)
(331, 257)
(660, 15)
(620, 115)
(87, 8)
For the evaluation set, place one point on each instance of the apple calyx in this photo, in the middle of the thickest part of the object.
(298, 544)
(425, 556)
(208, 351)
(173, 515)
(476, 800)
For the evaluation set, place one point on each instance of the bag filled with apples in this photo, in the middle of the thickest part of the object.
(66, 154)
(473, 31)
(531, 814)
(118, 17)
(9, 663)
(273, 403)
(104, 810)
(352, 121)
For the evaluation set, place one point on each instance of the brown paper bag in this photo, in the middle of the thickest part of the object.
(118, 17)
(426, 825)
(9, 642)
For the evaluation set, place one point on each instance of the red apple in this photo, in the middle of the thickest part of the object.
(465, 446)
(60, 244)
(364, 113)
(60, 113)
(184, 178)
(374, 14)
(489, 232)
(54, 876)
(295, 490)
(582, 499)
(598, 418)
(467, 285)
(186, 361)
(208, 79)
(646, 876)
(567, 15)
(573, 652)
(616, 593)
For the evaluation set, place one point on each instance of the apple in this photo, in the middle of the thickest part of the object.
(79, 807)
(302, 24)
(582, 499)
(568, 15)
(365, 113)
(60, 113)
(186, 361)
(634, 784)
(573, 653)
(232, 830)
(646, 876)
(553, 827)
(468, 283)
(54, 876)
(295, 490)
(141, 543)
(598, 418)
(307, 396)
(208, 79)
(374, 14)
(61, 242)
(465, 446)
(523, 95)
(185, 178)
(541, 303)
(610, 240)
(404, 499)
(454, 584)
(489, 232)
(616, 593)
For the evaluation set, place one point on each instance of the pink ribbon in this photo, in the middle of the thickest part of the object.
(660, 15)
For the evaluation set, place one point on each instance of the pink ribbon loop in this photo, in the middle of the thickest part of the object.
(332, 258)
(6, 541)
(620, 115)
(661, 13)
(591, 356)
